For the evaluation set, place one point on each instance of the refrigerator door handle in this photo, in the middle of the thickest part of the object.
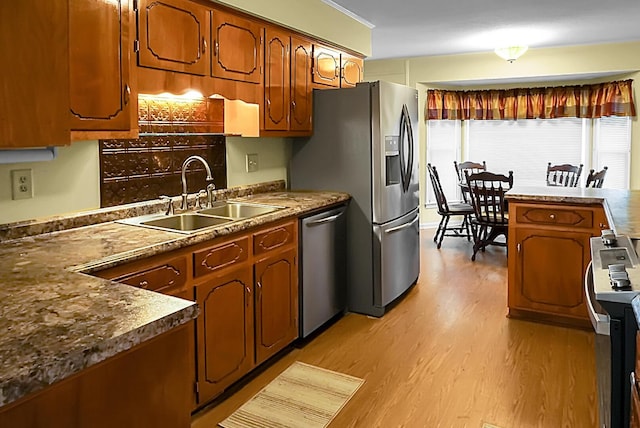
(406, 165)
(324, 220)
(404, 226)
(403, 173)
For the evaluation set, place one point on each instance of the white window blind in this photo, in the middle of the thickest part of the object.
(525, 146)
(612, 148)
(443, 145)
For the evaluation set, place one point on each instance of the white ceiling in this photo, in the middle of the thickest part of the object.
(405, 28)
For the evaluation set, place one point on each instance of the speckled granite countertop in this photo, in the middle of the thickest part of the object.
(622, 206)
(55, 320)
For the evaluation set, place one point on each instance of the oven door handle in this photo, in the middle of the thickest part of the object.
(600, 322)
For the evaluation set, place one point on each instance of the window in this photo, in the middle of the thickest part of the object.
(443, 146)
(612, 148)
(526, 146)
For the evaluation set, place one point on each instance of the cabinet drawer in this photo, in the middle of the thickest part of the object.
(274, 238)
(550, 216)
(221, 256)
(166, 277)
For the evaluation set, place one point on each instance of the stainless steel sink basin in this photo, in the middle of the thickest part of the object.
(186, 222)
(190, 222)
(183, 223)
(239, 210)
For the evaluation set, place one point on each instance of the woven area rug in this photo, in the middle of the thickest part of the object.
(303, 396)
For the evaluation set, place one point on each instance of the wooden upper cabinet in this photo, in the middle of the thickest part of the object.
(174, 35)
(34, 77)
(276, 80)
(237, 48)
(102, 96)
(352, 70)
(326, 66)
(301, 88)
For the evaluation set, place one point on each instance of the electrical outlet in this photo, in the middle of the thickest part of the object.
(21, 184)
(252, 162)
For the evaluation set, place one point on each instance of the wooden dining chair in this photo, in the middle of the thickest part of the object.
(596, 179)
(447, 210)
(565, 175)
(472, 168)
(491, 218)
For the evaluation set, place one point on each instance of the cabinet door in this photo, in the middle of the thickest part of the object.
(34, 53)
(224, 331)
(326, 66)
(549, 271)
(174, 35)
(276, 281)
(237, 48)
(352, 70)
(301, 89)
(635, 404)
(276, 80)
(100, 44)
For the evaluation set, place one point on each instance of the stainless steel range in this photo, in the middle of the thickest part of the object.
(611, 283)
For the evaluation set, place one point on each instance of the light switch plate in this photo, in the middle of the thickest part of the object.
(21, 184)
(252, 162)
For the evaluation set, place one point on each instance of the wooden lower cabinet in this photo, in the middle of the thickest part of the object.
(548, 255)
(246, 286)
(147, 386)
(249, 309)
(550, 270)
(224, 331)
(635, 407)
(635, 389)
(276, 281)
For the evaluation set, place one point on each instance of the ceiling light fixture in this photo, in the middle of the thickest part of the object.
(511, 53)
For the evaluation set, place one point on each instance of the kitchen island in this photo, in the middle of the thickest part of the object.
(548, 247)
(57, 323)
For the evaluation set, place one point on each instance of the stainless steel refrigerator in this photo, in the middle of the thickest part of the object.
(365, 143)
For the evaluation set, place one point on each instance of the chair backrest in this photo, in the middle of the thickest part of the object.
(596, 179)
(441, 199)
(487, 191)
(564, 175)
(470, 167)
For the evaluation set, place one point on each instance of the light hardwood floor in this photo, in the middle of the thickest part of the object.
(447, 356)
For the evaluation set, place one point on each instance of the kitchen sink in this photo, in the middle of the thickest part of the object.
(239, 210)
(183, 223)
(186, 222)
(221, 213)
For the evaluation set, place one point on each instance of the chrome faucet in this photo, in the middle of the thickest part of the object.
(210, 187)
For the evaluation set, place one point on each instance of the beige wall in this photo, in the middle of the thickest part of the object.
(311, 17)
(538, 67)
(71, 182)
(273, 158)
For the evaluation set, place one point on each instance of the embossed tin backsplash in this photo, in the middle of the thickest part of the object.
(171, 115)
(150, 166)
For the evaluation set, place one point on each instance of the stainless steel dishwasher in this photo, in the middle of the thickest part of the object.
(322, 268)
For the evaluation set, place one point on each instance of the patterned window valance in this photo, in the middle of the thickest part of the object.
(585, 101)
